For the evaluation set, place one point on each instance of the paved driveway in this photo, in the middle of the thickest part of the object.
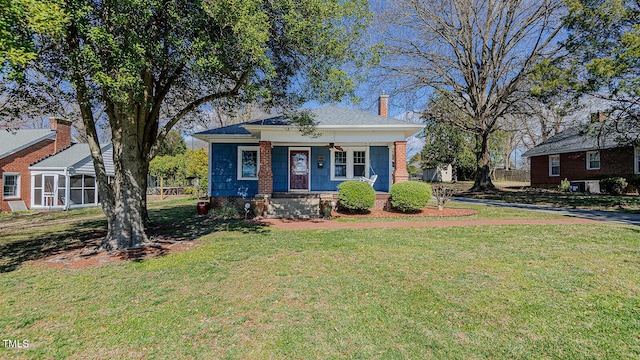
(613, 216)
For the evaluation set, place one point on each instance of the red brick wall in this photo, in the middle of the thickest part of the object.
(19, 163)
(265, 174)
(400, 173)
(63, 133)
(573, 166)
(383, 105)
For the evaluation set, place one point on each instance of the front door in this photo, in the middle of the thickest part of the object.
(299, 170)
(49, 190)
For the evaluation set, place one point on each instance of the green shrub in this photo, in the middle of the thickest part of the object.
(613, 186)
(227, 212)
(634, 184)
(410, 196)
(356, 196)
(564, 185)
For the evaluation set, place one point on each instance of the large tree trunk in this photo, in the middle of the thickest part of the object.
(482, 181)
(127, 220)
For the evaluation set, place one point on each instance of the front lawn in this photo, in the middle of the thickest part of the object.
(525, 292)
(522, 194)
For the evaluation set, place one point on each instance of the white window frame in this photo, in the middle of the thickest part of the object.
(86, 201)
(636, 160)
(350, 175)
(241, 149)
(17, 186)
(551, 157)
(590, 153)
(59, 191)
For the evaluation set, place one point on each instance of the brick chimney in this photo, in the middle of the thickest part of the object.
(598, 117)
(383, 105)
(63, 132)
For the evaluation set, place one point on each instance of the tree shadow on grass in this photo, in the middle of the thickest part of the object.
(173, 224)
(182, 223)
(76, 237)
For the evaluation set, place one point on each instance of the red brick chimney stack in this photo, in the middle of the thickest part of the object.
(383, 105)
(63, 132)
(597, 117)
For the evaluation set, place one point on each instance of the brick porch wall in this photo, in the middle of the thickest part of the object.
(400, 173)
(265, 174)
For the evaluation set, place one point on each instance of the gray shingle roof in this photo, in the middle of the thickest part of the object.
(574, 139)
(72, 157)
(235, 129)
(12, 141)
(324, 117)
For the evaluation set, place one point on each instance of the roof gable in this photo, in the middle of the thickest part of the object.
(12, 141)
(75, 156)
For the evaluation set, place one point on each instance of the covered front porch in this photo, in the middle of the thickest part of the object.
(285, 168)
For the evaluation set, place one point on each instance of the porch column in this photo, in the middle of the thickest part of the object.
(265, 175)
(400, 173)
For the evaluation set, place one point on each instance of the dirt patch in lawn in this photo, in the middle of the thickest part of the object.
(426, 212)
(89, 257)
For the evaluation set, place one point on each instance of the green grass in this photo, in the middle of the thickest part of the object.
(33, 235)
(526, 292)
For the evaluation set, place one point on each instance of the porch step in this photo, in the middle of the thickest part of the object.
(295, 208)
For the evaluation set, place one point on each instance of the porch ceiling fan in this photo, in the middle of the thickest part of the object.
(334, 146)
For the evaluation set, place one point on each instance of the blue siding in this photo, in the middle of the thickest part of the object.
(279, 166)
(224, 172)
(321, 178)
(379, 160)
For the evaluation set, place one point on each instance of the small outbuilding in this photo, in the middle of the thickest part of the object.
(439, 174)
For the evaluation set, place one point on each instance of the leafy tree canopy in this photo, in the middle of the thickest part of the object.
(601, 58)
(20, 20)
(173, 144)
(198, 166)
(143, 65)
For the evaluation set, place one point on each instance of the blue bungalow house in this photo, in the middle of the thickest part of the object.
(270, 157)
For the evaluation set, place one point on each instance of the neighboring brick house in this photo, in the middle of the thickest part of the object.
(577, 156)
(21, 148)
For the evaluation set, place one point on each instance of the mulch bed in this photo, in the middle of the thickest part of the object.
(89, 257)
(426, 212)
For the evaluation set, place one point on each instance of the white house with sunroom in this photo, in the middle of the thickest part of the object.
(67, 179)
